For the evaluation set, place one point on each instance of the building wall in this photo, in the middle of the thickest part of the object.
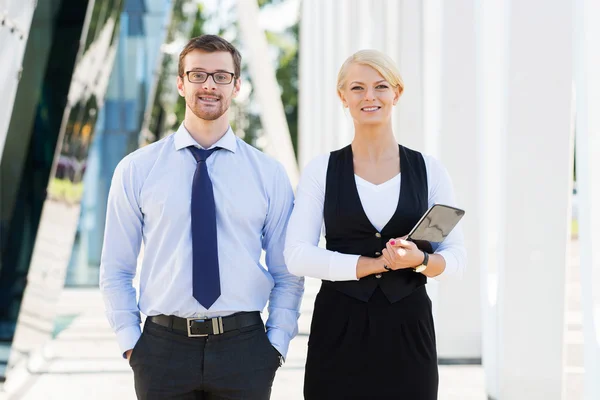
(66, 64)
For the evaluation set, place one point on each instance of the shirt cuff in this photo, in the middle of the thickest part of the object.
(342, 267)
(451, 271)
(128, 337)
(279, 340)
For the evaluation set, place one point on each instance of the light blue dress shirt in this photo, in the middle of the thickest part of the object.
(149, 201)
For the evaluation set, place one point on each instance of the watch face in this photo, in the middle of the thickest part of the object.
(421, 268)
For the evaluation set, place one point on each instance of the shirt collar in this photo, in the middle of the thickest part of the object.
(183, 139)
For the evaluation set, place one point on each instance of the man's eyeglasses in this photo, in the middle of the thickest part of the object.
(220, 78)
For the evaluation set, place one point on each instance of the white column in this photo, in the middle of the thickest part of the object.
(317, 138)
(326, 68)
(316, 93)
(268, 93)
(411, 59)
(458, 319)
(305, 75)
(491, 24)
(392, 46)
(427, 103)
(587, 78)
(538, 165)
(344, 129)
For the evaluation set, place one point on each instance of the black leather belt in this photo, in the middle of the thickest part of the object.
(197, 327)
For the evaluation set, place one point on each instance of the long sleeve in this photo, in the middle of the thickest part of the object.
(452, 248)
(286, 296)
(302, 254)
(122, 239)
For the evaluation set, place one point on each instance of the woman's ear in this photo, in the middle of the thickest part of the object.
(342, 98)
(397, 94)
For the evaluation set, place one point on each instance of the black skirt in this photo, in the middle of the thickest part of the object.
(373, 350)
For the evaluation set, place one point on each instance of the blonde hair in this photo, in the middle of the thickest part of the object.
(377, 60)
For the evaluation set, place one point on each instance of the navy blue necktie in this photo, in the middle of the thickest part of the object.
(206, 281)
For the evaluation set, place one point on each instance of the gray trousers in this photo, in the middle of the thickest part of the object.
(240, 364)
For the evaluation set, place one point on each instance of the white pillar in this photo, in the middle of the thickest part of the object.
(314, 90)
(305, 122)
(431, 50)
(326, 68)
(491, 25)
(538, 167)
(272, 115)
(429, 41)
(587, 77)
(458, 318)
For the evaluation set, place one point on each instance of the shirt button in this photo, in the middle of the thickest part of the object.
(377, 253)
(378, 235)
(378, 276)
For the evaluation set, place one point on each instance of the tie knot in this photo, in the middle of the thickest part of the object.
(201, 154)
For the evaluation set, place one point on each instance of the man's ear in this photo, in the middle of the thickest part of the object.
(236, 87)
(180, 88)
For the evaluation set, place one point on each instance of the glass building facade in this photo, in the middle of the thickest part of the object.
(63, 76)
(118, 126)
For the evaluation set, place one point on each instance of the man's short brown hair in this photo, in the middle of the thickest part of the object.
(211, 44)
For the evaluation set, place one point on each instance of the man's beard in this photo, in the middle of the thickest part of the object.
(211, 114)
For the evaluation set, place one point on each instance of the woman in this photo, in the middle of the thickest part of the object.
(372, 334)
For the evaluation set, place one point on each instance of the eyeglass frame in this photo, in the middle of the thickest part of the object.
(211, 74)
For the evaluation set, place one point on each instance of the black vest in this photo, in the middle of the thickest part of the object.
(349, 231)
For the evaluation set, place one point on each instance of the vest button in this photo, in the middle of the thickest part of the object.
(378, 235)
(378, 276)
(377, 253)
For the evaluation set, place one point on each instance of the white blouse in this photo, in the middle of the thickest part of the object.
(304, 257)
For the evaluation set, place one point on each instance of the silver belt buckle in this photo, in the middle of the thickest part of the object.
(189, 327)
(217, 326)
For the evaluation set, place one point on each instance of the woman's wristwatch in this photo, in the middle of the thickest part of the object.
(423, 265)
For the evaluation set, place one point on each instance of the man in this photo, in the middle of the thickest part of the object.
(204, 203)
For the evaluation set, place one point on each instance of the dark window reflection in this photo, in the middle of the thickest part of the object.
(70, 88)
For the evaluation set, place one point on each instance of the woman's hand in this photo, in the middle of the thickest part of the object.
(369, 266)
(400, 253)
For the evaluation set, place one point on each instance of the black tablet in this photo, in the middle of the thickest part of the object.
(434, 226)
